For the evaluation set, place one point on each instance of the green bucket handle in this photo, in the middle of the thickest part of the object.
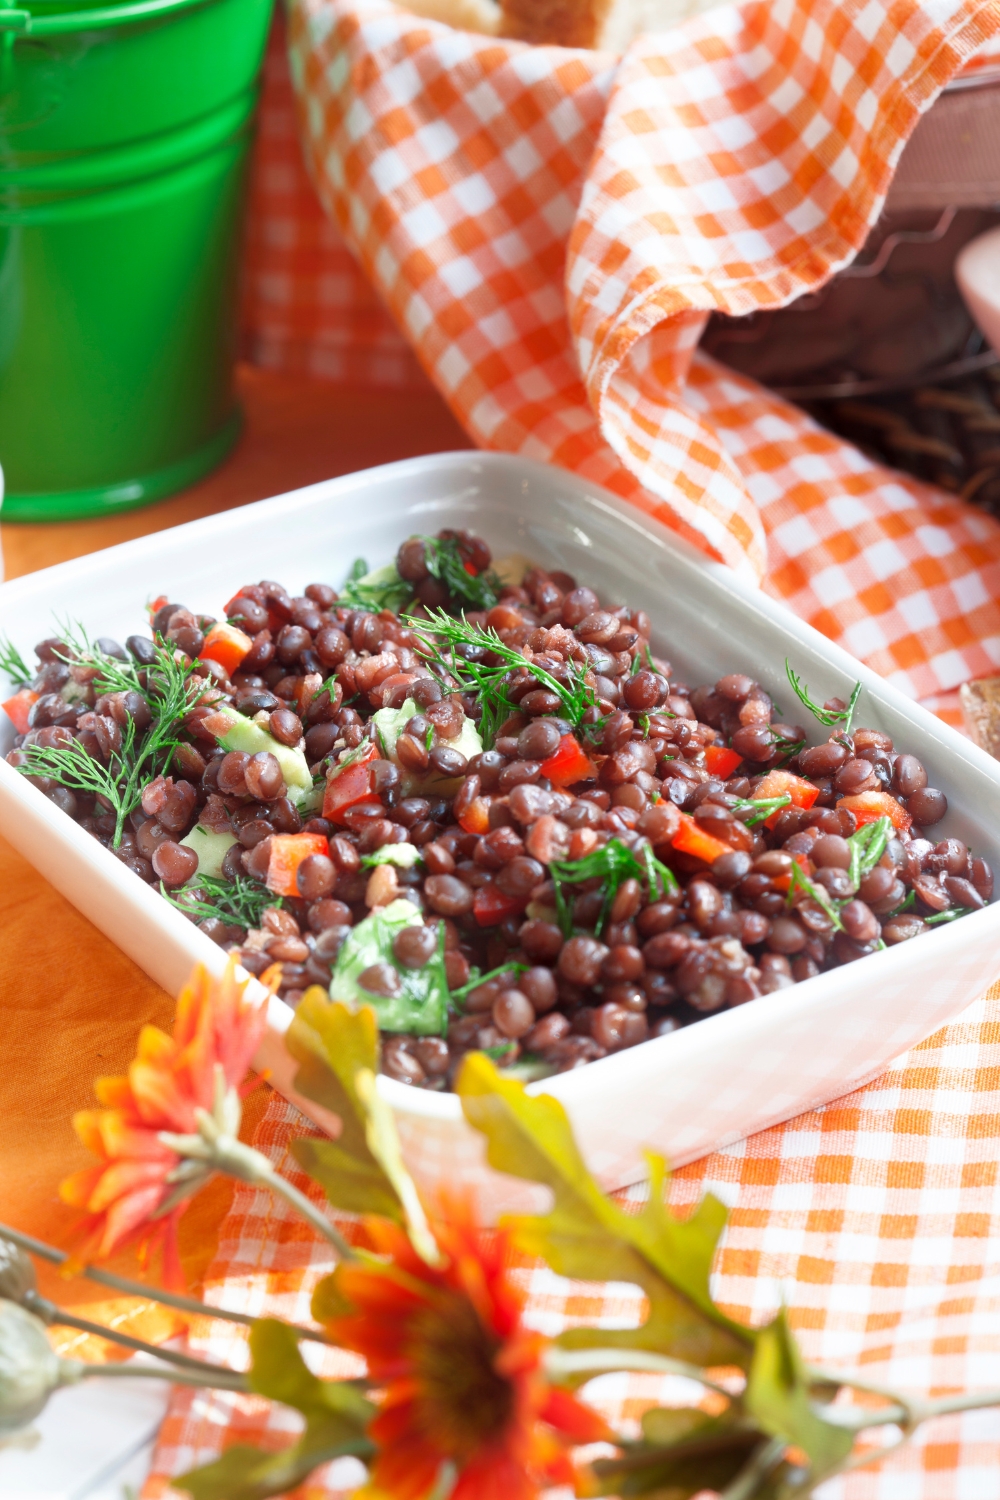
(23, 22)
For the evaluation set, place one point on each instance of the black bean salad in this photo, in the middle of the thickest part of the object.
(476, 799)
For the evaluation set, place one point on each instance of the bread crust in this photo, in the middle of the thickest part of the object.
(561, 23)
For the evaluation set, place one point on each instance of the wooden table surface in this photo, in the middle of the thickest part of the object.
(70, 1004)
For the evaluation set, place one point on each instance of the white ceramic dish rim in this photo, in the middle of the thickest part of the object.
(419, 1103)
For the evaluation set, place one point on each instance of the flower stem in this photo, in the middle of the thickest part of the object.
(760, 1464)
(220, 1380)
(309, 1211)
(51, 1314)
(563, 1363)
(142, 1289)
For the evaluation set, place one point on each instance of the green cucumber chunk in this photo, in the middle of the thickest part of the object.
(210, 848)
(389, 725)
(421, 1007)
(243, 734)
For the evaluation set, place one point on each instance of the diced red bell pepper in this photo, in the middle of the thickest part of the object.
(226, 645)
(476, 818)
(569, 764)
(868, 807)
(721, 762)
(784, 784)
(19, 707)
(156, 605)
(690, 838)
(491, 906)
(350, 786)
(288, 850)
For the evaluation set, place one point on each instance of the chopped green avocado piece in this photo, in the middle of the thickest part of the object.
(389, 725)
(421, 1007)
(210, 848)
(244, 734)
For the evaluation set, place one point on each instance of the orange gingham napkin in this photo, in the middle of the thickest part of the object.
(549, 228)
(875, 1219)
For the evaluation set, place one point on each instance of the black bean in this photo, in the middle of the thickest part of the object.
(448, 895)
(414, 946)
(141, 649)
(963, 892)
(908, 775)
(860, 922)
(447, 762)
(174, 863)
(927, 806)
(316, 877)
(539, 740)
(381, 979)
(786, 936)
(263, 777)
(513, 1014)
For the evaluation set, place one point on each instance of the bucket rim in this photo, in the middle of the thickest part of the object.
(26, 23)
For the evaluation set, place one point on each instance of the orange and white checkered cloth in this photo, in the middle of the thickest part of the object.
(876, 1220)
(549, 228)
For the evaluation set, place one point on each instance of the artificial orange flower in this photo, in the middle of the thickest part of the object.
(140, 1184)
(462, 1380)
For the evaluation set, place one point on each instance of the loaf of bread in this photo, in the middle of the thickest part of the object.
(609, 25)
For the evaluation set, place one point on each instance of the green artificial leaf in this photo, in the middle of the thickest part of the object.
(337, 1416)
(361, 1171)
(333, 1044)
(421, 1006)
(587, 1237)
(684, 1452)
(778, 1397)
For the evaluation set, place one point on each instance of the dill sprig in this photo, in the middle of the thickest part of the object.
(374, 592)
(763, 808)
(827, 716)
(822, 897)
(951, 915)
(476, 978)
(612, 864)
(867, 847)
(445, 563)
(241, 902)
(457, 649)
(120, 783)
(14, 664)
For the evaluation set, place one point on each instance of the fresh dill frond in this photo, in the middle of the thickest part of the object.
(241, 902)
(446, 564)
(72, 767)
(822, 897)
(476, 978)
(951, 915)
(867, 846)
(827, 716)
(13, 663)
(458, 649)
(167, 691)
(612, 864)
(375, 591)
(762, 808)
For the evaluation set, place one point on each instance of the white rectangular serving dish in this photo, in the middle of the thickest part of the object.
(684, 1094)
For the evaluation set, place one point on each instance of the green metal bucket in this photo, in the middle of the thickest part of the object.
(124, 137)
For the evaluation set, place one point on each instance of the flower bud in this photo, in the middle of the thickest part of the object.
(17, 1273)
(30, 1370)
